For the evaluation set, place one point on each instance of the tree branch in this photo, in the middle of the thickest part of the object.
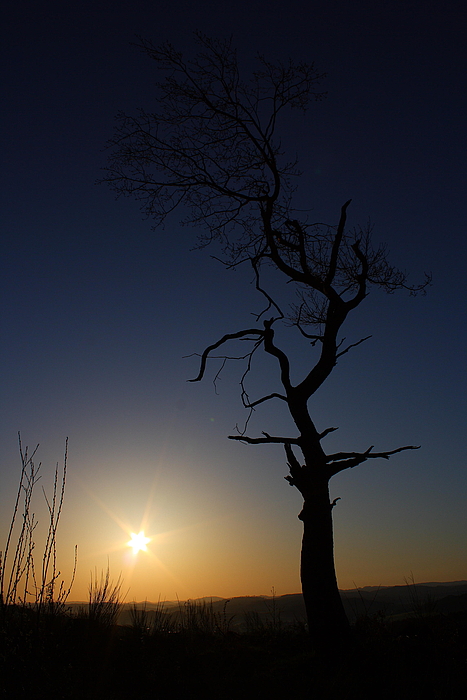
(347, 460)
(265, 440)
(295, 468)
(336, 245)
(361, 277)
(272, 349)
(271, 302)
(353, 345)
(224, 339)
(265, 398)
(326, 432)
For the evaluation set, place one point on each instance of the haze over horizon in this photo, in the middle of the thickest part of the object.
(100, 315)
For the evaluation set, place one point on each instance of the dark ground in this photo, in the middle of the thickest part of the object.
(63, 657)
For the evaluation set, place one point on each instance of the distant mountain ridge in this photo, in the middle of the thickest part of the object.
(433, 583)
(440, 597)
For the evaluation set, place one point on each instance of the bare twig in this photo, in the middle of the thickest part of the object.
(353, 345)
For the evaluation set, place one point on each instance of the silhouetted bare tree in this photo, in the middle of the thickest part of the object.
(211, 148)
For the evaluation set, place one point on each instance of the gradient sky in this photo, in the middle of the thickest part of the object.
(98, 311)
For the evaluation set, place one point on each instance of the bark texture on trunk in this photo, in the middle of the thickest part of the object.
(327, 621)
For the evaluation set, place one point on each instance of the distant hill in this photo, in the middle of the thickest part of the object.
(398, 600)
(442, 597)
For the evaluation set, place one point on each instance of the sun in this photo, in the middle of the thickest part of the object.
(138, 542)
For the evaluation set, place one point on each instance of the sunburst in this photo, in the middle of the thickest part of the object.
(138, 542)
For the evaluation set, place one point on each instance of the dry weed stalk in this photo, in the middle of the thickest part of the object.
(104, 600)
(22, 586)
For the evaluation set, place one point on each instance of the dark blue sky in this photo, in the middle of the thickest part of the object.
(98, 310)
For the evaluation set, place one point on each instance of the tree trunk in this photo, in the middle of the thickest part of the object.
(327, 622)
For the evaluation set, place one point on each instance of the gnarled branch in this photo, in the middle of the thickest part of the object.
(224, 339)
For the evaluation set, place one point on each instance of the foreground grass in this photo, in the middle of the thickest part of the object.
(195, 655)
